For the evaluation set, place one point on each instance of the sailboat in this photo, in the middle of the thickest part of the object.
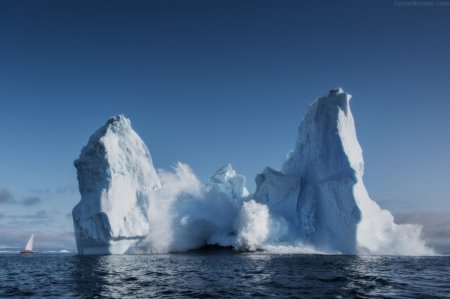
(29, 247)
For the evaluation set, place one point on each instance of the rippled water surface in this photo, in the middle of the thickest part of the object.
(226, 275)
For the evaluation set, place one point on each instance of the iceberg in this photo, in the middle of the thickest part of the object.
(316, 202)
(320, 189)
(116, 178)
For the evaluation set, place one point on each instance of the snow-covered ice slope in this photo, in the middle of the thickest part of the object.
(115, 177)
(323, 179)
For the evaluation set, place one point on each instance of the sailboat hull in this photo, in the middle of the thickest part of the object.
(27, 251)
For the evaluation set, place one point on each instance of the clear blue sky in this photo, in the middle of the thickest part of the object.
(212, 82)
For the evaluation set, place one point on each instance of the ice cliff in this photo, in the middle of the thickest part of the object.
(317, 202)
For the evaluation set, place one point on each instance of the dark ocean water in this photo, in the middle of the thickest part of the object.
(225, 275)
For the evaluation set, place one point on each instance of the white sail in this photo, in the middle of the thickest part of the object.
(30, 243)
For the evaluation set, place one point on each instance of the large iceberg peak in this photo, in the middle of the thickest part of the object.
(115, 149)
(322, 179)
(115, 175)
(314, 190)
(327, 145)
